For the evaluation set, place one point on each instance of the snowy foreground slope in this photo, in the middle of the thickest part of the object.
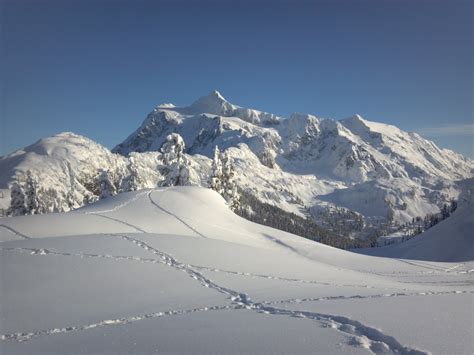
(172, 270)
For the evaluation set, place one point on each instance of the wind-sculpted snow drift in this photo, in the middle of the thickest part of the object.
(352, 169)
(173, 270)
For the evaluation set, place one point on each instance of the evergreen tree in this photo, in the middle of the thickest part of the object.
(50, 200)
(133, 182)
(176, 166)
(215, 180)
(31, 192)
(230, 192)
(18, 201)
(173, 149)
(106, 186)
(74, 199)
(222, 178)
(445, 211)
(434, 219)
(454, 205)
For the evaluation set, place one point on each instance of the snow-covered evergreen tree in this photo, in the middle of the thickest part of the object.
(222, 178)
(230, 188)
(28, 197)
(215, 180)
(75, 194)
(31, 193)
(18, 200)
(173, 149)
(133, 181)
(176, 165)
(445, 211)
(50, 200)
(106, 186)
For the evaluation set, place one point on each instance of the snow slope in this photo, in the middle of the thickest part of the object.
(450, 240)
(172, 270)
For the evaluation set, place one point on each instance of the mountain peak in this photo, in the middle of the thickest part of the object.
(213, 103)
(217, 95)
(354, 118)
(214, 97)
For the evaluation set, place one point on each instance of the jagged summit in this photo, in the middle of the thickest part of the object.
(213, 103)
(355, 121)
(217, 95)
(213, 97)
(358, 122)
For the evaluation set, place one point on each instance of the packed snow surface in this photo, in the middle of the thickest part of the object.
(173, 270)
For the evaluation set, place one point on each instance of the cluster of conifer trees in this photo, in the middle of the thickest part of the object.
(29, 197)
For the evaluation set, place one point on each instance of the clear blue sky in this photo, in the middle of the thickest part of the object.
(98, 67)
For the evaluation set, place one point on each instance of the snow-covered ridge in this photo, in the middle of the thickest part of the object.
(216, 104)
(352, 150)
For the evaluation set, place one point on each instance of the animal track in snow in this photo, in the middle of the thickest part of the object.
(375, 340)
(119, 221)
(14, 231)
(174, 215)
(121, 205)
(359, 334)
(382, 295)
(22, 337)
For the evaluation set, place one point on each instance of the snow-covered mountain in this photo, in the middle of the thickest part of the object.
(173, 270)
(66, 167)
(372, 168)
(352, 150)
(310, 166)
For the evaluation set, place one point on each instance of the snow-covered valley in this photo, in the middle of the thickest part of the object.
(173, 270)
